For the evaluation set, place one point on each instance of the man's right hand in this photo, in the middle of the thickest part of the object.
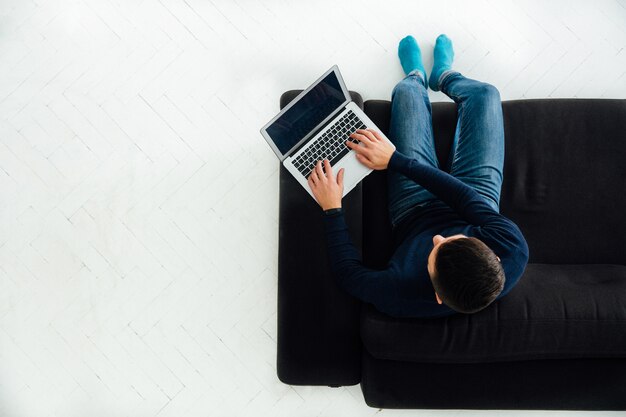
(377, 150)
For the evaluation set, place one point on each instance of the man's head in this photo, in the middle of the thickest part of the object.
(465, 273)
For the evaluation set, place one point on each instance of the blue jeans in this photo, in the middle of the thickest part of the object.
(477, 154)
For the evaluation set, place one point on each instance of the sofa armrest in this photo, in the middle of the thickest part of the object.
(318, 322)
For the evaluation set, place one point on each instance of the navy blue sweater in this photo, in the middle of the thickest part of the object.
(404, 288)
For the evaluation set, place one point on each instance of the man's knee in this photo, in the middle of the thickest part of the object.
(410, 86)
(488, 92)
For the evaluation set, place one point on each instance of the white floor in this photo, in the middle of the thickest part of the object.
(138, 219)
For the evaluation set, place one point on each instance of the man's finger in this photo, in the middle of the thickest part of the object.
(318, 170)
(313, 176)
(340, 177)
(376, 133)
(368, 134)
(328, 169)
(358, 135)
(360, 150)
(361, 137)
(363, 159)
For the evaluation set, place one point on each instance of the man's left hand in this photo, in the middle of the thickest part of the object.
(326, 190)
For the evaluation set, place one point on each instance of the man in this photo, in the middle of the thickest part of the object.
(454, 252)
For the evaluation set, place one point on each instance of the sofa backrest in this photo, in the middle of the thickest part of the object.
(564, 178)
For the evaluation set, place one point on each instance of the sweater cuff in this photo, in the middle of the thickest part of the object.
(397, 161)
(333, 211)
(334, 221)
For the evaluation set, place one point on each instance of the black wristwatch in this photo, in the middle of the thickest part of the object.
(332, 211)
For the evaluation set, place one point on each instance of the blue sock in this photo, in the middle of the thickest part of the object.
(411, 56)
(444, 55)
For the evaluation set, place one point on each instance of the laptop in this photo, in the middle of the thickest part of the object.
(315, 125)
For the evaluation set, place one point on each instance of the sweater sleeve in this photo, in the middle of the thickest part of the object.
(505, 238)
(369, 285)
(499, 232)
(462, 198)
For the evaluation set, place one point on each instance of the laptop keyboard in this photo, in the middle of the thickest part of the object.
(331, 145)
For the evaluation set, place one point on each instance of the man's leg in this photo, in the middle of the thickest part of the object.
(411, 132)
(477, 154)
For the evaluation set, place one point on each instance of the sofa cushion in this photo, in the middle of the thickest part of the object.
(556, 311)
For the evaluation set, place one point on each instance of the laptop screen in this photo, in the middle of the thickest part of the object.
(308, 112)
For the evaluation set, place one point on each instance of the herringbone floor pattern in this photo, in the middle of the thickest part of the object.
(138, 218)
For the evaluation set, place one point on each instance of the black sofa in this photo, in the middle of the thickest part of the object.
(557, 341)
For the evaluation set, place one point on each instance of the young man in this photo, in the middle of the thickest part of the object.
(454, 252)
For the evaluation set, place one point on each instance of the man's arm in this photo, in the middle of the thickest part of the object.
(462, 198)
(380, 153)
(466, 201)
(376, 287)
(372, 286)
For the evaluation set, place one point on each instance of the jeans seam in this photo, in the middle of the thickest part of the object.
(456, 140)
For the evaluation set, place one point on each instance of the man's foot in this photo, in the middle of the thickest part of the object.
(444, 55)
(411, 56)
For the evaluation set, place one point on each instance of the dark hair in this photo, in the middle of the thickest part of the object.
(468, 276)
